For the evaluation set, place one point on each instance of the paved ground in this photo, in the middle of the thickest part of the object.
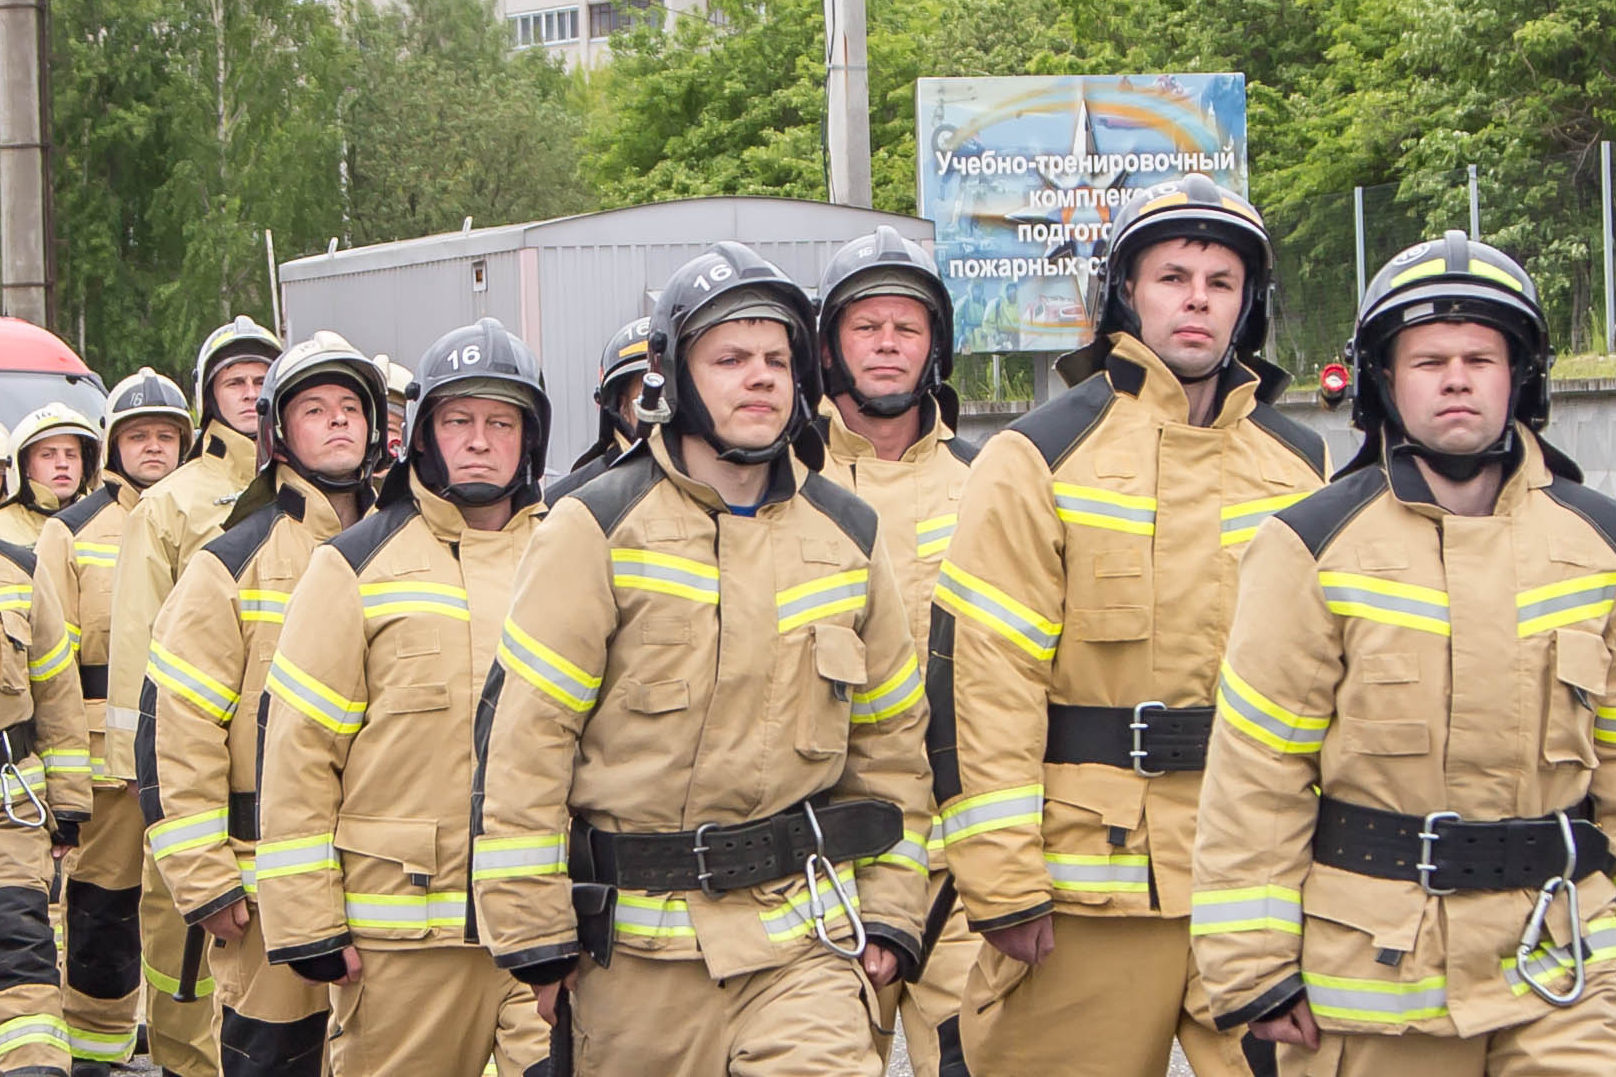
(899, 1064)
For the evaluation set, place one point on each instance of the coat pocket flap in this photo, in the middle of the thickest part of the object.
(658, 698)
(839, 654)
(17, 628)
(1116, 796)
(412, 843)
(1581, 659)
(1389, 668)
(1114, 624)
(411, 698)
(1383, 736)
(1387, 910)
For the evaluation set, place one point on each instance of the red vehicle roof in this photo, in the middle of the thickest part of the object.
(25, 346)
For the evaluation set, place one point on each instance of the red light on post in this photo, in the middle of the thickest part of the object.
(1333, 382)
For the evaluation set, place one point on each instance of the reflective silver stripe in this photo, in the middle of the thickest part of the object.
(1265, 720)
(1373, 1001)
(381, 599)
(1575, 600)
(665, 574)
(794, 919)
(32, 776)
(566, 683)
(993, 811)
(910, 852)
(33, 1028)
(650, 917)
(1548, 960)
(59, 762)
(123, 719)
(902, 690)
(100, 1047)
(188, 832)
(499, 858)
(406, 911)
(1605, 725)
(296, 857)
(180, 677)
(956, 584)
(1395, 603)
(1251, 908)
(1106, 873)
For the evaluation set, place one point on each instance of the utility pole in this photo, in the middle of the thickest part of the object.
(24, 227)
(847, 101)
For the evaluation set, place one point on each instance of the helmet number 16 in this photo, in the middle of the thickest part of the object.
(719, 273)
(470, 355)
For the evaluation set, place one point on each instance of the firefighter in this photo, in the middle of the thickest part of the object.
(1403, 865)
(321, 430)
(148, 427)
(366, 851)
(886, 351)
(172, 521)
(45, 794)
(1079, 617)
(398, 382)
(622, 371)
(57, 459)
(5, 461)
(718, 639)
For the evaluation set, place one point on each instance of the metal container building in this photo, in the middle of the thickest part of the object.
(564, 286)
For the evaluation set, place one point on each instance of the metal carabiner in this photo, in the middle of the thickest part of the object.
(8, 774)
(816, 903)
(1532, 934)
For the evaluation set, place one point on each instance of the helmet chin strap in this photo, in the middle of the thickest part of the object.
(692, 417)
(434, 472)
(839, 381)
(1458, 467)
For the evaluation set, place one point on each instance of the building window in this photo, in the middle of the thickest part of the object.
(606, 19)
(557, 27)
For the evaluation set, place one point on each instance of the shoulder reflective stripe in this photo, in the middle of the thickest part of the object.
(1377, 1001)
(1564, 603)
(1249, 908)
(417, 596)
(910, 852)
(1239, 522)
(17, 597)
(260, 605)
(933, 536)
(123, 719)
(793, 920)
(60, 762)
(407, 911)
(645, 570)
(1260, 718)
(296, 856)
(95, 554)
(185, 680)
(545, 670)
(1605, 725)
(653, 917)
(985, 604)
(32, 1029)
(1601, 946)
(1372, 599)
(1109, 873)
(303, 693)
(75, 636)
(99, 1046)
(508, 858)
(169, 984)
(997, 810)
(821, 598)
(249, 873)
(33, 776)
(188, 832)
(893, 696)
(1090, 506)
(53, 661)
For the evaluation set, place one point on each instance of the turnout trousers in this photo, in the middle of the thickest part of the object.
(180, 1033)
(268, 1020)
(101, 989)
(930, 1009)
(33, 1036)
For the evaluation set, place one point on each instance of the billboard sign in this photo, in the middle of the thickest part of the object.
(1023, 175)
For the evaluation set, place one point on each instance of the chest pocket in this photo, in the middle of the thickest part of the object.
(19, 637)
(1581, 672)
(824, 716)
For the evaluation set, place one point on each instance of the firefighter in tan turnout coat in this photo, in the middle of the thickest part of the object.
(707, 696)
(171, 522)
(365, 858)
(886, 345)
(1403, 865)
(321, 429)
(1084, 601)
(148, 429)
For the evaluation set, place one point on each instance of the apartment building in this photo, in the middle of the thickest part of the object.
(580, 30)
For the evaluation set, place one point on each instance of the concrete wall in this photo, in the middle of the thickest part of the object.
(1582, 424)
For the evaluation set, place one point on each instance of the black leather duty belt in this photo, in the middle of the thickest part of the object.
(718, 858)
(1444, 853)
(1150, 739)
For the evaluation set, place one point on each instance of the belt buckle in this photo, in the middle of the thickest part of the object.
(1428, 839)
(1138, 727)
(704, 874)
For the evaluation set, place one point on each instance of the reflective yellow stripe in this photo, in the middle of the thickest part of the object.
(296, 856)
(61, 762)
(1249, 908)
(1605, 725)
(249, 874)
(1265, 721)
(101, 1046)
(1370, 598)
(1549, 960)
(1239, 522)
(933, 536)
(821, 598)
(418, 596)
(17, 596)
(998, 810)
(524, 857)
(95, 554)
(793, 921)
(188, 832)
(1564, 603)
(75, 636)
(653, 917)
(406, 912)
(52, 662)
(892, 696)
(32, 1029)
(1377, 1001)
(665, 574)
(309, 697)
(1106, 873)
(910, 852)
(968, 596)
(188, 682)
(546, 670)
(168, 985)
(263, 605)
(1091, 506)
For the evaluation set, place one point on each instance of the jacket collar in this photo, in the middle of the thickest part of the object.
(1527, 471)
(125, 493)
(238, 452)
(782, 475)
(1134, 370)
(844, 444)
(446, 523)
